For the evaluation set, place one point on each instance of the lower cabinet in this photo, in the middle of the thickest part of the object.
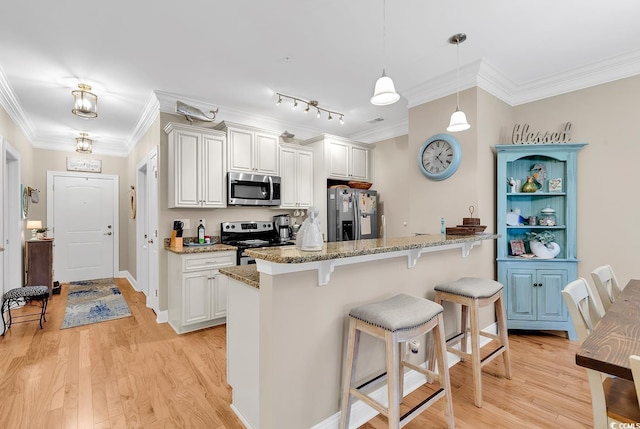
(533, 295)
(197, 291)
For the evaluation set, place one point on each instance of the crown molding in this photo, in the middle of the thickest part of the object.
(388, 131)
(149, 114)
(11, 105)
(608, 70)
(168, 102)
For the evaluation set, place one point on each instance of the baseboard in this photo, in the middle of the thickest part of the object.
(241, 417)
(362, 413)
(162, 316)
(130, 279)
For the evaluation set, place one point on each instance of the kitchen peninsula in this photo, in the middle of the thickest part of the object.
(287, 320)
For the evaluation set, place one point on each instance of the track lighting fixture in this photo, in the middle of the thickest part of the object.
(458, 118)
(310, 104)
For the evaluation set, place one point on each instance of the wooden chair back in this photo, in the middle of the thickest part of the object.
(606, 284)
(583, 308)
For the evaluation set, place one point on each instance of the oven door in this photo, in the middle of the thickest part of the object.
(245, 189)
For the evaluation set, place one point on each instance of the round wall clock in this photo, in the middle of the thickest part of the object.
(439, 157)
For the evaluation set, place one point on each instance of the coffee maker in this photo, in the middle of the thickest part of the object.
(281, 226)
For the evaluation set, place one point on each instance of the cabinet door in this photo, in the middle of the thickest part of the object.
(305, 179)
(241, 150)
(359, 163)
(551, 305)
(521, 294)
(339, 159)
(288, 176)
(184, 156)
(220, 284)
(211, 167)
(196, 297)
(266, 150)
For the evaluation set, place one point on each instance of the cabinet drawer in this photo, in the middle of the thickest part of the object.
(208, 261)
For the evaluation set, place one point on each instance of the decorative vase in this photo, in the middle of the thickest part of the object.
(529, 186)
(543, 252)
(40, 235)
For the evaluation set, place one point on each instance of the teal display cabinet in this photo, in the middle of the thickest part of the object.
(533, 285)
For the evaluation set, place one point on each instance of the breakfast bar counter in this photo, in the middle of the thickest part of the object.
(287, 318)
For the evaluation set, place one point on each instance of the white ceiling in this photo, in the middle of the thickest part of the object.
(143, 55)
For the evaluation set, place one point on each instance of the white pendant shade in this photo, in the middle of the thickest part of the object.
(385, 92)
(458, 122)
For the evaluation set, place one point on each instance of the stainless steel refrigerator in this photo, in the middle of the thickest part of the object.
(352, 214)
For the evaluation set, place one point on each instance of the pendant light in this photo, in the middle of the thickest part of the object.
(384, 92)
(85, 102)
(458, 118)
(84, 144)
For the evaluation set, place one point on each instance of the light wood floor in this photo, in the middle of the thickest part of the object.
(135, 373)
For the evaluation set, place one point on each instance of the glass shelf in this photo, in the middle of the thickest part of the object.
(536, 227)
(535, 194)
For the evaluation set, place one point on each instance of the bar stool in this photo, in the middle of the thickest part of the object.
(473, 293)
(396, 320)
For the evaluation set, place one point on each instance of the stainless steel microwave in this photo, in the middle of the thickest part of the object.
(246, 189)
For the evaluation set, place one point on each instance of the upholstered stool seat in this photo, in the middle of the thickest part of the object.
(26, 293)
(473, 293)
(396, 320)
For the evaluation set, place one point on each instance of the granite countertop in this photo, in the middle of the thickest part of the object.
(346, 249)
(201, 249)
(245, 273)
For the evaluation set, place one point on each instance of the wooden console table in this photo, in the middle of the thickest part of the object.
(38, 263)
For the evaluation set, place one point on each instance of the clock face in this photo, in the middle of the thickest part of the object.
(439, 157)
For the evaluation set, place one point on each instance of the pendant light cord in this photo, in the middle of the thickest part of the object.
(457, 74)
(384, 34)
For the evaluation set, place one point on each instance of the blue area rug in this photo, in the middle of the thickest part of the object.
(93, 301)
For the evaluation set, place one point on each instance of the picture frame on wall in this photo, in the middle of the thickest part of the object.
(24, 198)
(517, 247)
(84, 164)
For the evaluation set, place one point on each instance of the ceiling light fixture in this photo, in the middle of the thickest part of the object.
(84, 144)
(86, 102)
(458, 118)
(310, 103)
(384, 92)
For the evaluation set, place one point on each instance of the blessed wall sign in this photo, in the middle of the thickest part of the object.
(522, 135)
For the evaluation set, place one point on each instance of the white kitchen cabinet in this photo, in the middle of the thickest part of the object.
(197, 291)
(296, 171)
(196, 167)
(348, 161)
(251, 150)
(338, 158)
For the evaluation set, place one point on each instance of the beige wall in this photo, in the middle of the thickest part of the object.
(608, 210)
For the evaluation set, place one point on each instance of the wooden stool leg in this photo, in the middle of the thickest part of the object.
(393, 385)
(501, 316)
(475, 352)
(349, 374)
(439, 345)
(464, 317)
(401, 349)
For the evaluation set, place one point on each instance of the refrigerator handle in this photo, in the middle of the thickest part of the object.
(356, 215)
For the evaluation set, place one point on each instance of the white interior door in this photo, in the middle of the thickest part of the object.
(152, 223)
(11, 224)
(83, 211)
(142, 255)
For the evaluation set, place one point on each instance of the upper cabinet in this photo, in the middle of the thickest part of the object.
(296, 171)
(343, 159)
(251, 150)
(197, 170)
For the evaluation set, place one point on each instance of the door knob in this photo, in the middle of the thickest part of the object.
(150, 241)
(108, 233)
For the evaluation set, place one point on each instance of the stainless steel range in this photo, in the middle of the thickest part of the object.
(249, 234)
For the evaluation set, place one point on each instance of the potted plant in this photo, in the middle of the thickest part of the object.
(543, 245)
(41, 233)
